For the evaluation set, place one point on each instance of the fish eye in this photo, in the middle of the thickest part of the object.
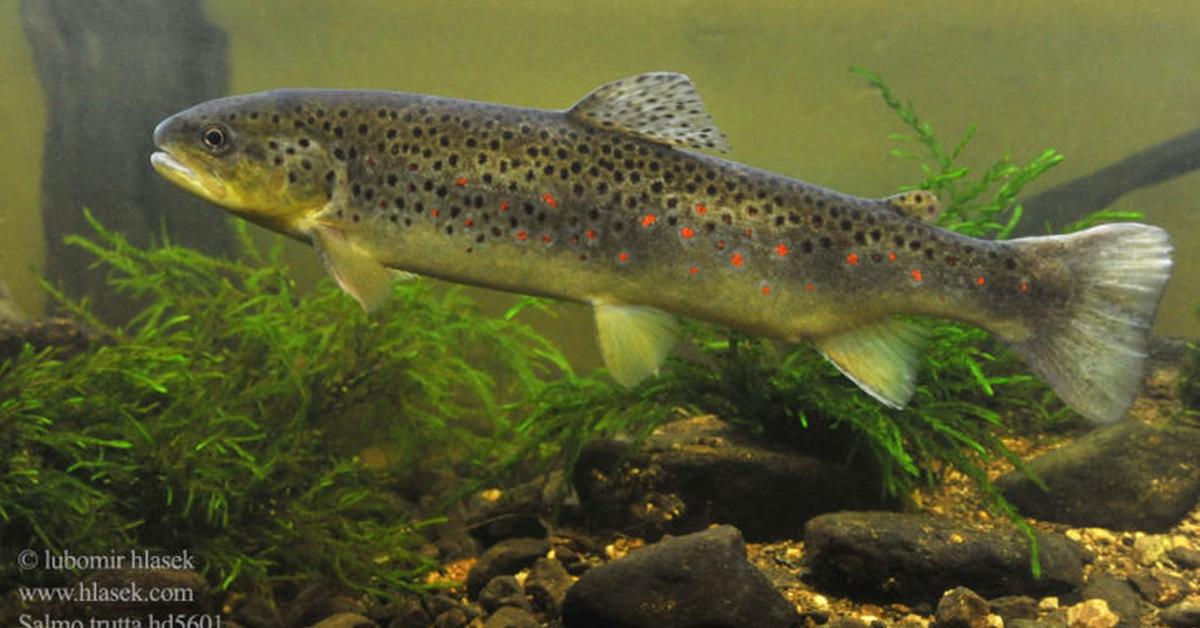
(214, 138)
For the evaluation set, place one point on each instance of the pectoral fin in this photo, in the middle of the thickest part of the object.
(880, 357)
(359, 274)
(634, 340)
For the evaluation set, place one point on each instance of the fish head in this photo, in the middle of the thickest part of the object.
(250, 155)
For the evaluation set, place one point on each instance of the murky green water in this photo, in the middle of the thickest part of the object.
(1095, 80)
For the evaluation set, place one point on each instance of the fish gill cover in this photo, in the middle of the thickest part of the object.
(229, 416)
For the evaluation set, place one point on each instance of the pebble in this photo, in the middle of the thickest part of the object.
(1091, 614)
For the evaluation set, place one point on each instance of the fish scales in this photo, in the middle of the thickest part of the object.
(461, 190)
(603, 204)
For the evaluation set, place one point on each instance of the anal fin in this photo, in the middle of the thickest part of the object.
(634, 340)
(355, 271)
(881, 358)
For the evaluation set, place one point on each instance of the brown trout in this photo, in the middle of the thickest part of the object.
(605, 204)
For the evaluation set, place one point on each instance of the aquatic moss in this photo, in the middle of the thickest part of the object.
(271, 434)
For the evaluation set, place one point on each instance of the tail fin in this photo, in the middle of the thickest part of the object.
(1092, 352)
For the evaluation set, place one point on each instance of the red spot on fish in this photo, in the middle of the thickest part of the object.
(700, 208)
(434, 212)
(549, 200)
(461, 182)
(693, 270)
(470, 222)
(504, 206)
(546, 238)
(766, 289)
(1024, 287)
(382, 204)
(749, 233)
(648, 220)
(892, 256)
(623, 257)
(852, 259)
(687, 233)
(521, 235)
(720, 245)
(781, 249)
(916, 275)
(737, 260)
(809, 286)
(979, 281)
(591, 234)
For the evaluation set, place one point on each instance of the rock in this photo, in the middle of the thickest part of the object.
(961, 607)
(915, 558)
(1091, 614)
(547, 584)
(494, 515)
(319, 600)
(62, 333)
(1185, 614)
(1159, 587)
(700, 471)
(701, 579)
(1010, 607)
(511, 617)
(1121, 597)
(447, 611)
(255, 611)
(506, 557)
(345, 620)
(1185, 557)
(407, 611)
(1148, 549)
(502, 591)
(1126, 476)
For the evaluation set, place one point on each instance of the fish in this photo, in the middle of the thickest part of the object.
(619, 202)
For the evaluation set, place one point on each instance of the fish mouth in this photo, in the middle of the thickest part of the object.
(180, 174)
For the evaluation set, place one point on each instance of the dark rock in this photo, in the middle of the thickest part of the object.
(495, 515)
(319, 600)
(1126, 476)
(700, 471)
(1121, 597)
(1185, 614)
(547, 584)
(1185, 557)
(574, 563)
(1010, 607)
(961, 607)
(62, 333)
(345, 620)
(510, 617)
(916, 557)
(453, 618)
(701, 579)
(255, 611)
(1159, 587)
(506, 557)
(502, 591)
(445, 610)
(406, 612)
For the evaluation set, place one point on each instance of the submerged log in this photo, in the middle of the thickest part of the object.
(1064, 204)
(110, 72)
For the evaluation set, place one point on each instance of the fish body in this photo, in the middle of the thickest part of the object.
(608, 203)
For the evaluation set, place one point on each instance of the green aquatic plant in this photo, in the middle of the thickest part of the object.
(269, 433)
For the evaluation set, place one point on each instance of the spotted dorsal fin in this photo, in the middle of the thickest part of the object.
(662, 107)
(916, 204)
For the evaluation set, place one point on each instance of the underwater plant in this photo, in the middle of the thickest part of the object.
(273, 435)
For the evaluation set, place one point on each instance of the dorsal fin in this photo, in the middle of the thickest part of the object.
(662, 107)
(916, 204)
